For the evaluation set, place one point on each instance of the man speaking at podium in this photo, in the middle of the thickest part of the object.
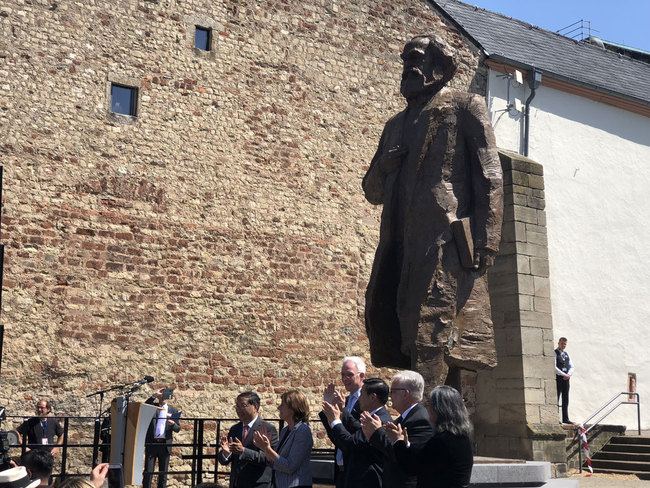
(159, 437)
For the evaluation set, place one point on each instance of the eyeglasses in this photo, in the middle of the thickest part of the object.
(348, 375)
(239, 406)
(398, 389)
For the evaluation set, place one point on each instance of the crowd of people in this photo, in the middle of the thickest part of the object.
(419, 448)
(35, 471)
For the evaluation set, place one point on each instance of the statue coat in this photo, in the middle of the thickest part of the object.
(419, 295)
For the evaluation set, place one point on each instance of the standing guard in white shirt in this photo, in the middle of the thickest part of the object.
(563, 372)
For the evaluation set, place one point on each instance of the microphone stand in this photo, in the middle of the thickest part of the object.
(101, 395)
(133, 387)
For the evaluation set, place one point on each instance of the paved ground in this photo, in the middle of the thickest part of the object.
(593, 481)
(609, 481)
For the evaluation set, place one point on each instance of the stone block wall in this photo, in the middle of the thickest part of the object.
(516, 405)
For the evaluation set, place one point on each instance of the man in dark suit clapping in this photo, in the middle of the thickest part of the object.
(249, 467)
(406, 391)
(353, 371)
(363, 463)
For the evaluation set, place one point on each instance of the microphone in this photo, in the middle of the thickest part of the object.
(146, 379)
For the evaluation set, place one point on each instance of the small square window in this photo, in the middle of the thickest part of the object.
(124, 100)
(202, 38)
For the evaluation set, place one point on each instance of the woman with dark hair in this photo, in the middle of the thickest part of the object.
(291, 461)
(446, 460)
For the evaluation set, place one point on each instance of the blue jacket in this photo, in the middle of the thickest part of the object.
(291, 468)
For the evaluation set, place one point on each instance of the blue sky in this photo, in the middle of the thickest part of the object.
(621, 21)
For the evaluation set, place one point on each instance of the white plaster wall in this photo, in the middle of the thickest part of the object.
(596, 162)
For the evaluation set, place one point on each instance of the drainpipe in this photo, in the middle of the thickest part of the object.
(534, 80)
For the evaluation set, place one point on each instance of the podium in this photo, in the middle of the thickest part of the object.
(129, 424)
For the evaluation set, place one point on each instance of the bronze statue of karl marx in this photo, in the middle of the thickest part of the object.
(437, 174)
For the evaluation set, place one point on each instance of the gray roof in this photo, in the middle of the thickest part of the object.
(521, 44)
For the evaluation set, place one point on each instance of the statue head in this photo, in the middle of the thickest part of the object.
(428, 66)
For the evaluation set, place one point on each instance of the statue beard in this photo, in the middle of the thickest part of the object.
(414, 84)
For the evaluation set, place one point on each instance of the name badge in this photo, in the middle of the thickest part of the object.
(44, 440)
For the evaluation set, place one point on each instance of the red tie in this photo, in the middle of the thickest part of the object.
(245, 432)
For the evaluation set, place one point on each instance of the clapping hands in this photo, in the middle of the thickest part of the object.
(333, 397)
(332, 412)
(369, 424)
(395, 433)
(230, 446)
(261, 439)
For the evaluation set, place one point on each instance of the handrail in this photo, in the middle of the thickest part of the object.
(638, 416)
(628, 393)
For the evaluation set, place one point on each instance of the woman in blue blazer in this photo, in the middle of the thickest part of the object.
(291, 461)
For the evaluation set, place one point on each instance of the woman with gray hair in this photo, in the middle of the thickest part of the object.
(446, 460)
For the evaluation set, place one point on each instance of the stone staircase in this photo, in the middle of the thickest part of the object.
(624, 455)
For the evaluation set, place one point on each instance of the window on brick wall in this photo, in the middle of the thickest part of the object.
(124, 99)
(202, 38)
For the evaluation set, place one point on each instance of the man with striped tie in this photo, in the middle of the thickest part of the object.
(249, 467)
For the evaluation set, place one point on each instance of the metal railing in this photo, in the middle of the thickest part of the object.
(204, 446)
(637, 402)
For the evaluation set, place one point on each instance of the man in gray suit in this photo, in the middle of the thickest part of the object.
(249, 467)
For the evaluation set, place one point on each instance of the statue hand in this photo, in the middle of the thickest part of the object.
(392, 160)
(483, 259)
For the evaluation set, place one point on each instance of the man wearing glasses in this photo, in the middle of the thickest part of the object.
(353, 371)
(249, 467)
(40, 430)
(407, 388)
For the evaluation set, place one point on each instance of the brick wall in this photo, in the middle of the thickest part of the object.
(219, 242)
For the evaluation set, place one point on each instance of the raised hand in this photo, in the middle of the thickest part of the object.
(224, 443)
(332, 412)
(98, 475)
(328, 393)
(394, 432)
(236, 446)
(369, 424)
(261, 441)
(339, 400)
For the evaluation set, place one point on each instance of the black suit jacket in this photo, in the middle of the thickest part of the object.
(250, 468)
(419, 431)
(363, 462)
(352, 424)
(169, 429)
(350, 420)
(445, 461)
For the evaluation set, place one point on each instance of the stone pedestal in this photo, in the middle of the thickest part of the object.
(516, 412)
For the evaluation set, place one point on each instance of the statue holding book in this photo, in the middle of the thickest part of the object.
(438, 176)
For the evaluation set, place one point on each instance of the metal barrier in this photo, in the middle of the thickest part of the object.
(203, 446)
(605, 405)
